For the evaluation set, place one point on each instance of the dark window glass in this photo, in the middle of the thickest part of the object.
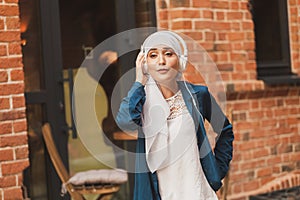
(271, 37)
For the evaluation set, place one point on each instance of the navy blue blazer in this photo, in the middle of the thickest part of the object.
(215, 163)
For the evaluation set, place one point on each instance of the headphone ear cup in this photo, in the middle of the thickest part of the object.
(183, 62)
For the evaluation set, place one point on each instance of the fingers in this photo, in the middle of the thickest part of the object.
(140, 60)
(140, 74)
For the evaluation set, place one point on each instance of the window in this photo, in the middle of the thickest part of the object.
(272, 39)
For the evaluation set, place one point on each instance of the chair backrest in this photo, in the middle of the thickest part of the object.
(55, 157)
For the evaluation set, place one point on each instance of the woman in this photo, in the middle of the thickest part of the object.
(174, 159)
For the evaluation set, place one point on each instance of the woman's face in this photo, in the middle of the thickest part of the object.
(163, 64)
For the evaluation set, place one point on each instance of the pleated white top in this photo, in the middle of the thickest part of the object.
(182, 177)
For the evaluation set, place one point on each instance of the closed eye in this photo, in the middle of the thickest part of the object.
(152, 55)
(169, 53)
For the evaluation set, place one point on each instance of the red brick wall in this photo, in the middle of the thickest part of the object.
(13, 128)
(294, 23)
(266, 119)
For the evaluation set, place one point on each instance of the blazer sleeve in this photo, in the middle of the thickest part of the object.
(224, 141)
(129, 114)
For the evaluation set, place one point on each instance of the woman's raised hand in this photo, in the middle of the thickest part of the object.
(141, 74)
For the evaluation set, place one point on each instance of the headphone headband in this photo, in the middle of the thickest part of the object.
(179, 38)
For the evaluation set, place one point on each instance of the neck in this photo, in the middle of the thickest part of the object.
(168, 90)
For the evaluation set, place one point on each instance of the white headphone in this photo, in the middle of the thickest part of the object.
(182, 58)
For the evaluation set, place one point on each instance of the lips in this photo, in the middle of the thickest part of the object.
(163, 70)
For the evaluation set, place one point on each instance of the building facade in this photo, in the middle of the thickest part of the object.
(255, 45)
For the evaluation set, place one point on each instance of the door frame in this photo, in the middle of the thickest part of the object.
(52, 97)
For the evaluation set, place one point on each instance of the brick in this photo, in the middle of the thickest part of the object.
(225, 67)
(1, 24)
(248, 26)
(247, 146)
(3, 50)
(256, 114)
(251, 55)
(241, 106)
(292, 121)
(19, 126)
(181, 25)
(222, 47)
(207, 14)
(10, 62)
(250, 36)
(11, 115)
(164, 15)
(239, 116)
(179, 3)
(6, 155)
(18, 102)
(268, 103)
(14, 167)
(292, 101)
(269, 123)
(13, 194)
(3, 77)
(5, 127)
(17, 75)
(4, 104)
(219, 15)
(234, 5)
(9, 10)
(14, 140)
(244, 5)
(284, 148)
(221, 26)
(287, 168)
(203, 24)
(7, 181)
(250, 66)
(237, 188)
(274, 160)
(234, 16)
(265, 180)
(164, 25)
(209, 36)
(259, 153)
(14, 88)
(9, 36)
(264, 172)
(201, 4)
(281, 112)
(252, 185)
(194, 35)
(12, 1)
(219, 4)
(236, 36)
(238, 57)
(184, 14)
(22, 152)
(14, 48)
(237, 46)
(12, 23)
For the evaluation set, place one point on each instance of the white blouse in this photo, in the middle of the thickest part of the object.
(182, 177)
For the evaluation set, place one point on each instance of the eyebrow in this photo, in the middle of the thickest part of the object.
(165, 48)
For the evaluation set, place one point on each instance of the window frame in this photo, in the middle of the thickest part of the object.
(275, 67)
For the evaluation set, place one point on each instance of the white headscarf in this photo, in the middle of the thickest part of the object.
(156, 110)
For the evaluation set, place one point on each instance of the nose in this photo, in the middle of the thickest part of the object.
(161, 59)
